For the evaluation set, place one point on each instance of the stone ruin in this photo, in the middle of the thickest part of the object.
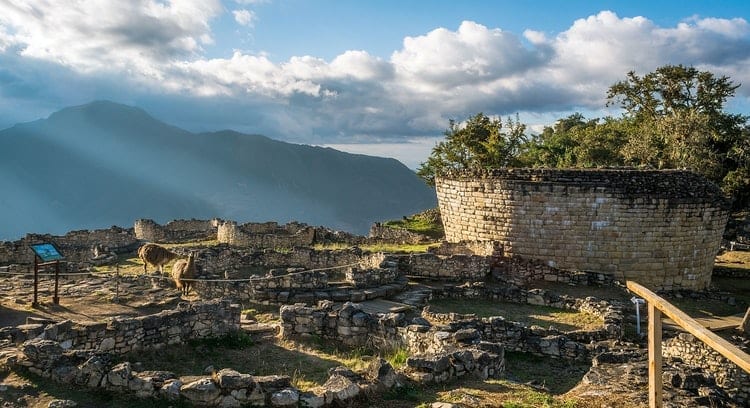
(612, 204)
(659, 228)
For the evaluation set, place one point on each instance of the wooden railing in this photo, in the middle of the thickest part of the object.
(657, 306)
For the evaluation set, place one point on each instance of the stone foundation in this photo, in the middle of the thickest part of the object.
(731, 378)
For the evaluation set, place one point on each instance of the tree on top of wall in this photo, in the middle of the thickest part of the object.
(480, 142)
(673, 117)
(678, 121)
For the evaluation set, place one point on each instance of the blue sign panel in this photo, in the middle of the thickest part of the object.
(46, 252)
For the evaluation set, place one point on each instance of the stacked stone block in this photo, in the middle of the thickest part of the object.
(121, 335)
(77, 246)
(176, 231)
(660, 228)
(731, 378)
(455, 267)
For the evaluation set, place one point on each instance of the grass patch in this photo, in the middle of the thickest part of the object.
(262, 313)
(233, 341)
(306, 368)
(544, 316)
(503, 393)
(404, 248)
(397, 357)
(557, 376)
(407, 248)
(426, 223)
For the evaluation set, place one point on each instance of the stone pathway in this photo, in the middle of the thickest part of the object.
(384, 306)
(415, 295)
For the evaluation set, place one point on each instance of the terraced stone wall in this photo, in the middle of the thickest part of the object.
(77, 246)
(660, 228)
(176, 231)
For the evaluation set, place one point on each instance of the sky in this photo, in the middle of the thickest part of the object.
(374, 77)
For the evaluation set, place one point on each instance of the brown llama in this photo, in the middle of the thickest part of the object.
(183, 273)
(158, 256)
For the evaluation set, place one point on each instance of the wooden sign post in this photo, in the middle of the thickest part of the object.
(48, 254)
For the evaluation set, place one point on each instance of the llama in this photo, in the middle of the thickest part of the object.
(183, 273)
(155, 255)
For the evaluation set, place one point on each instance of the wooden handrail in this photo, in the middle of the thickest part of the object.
(657, 306)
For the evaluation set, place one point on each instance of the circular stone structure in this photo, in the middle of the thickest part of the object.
(659, 228)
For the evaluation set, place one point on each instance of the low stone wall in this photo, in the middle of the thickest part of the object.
(354, 327)
(453, 258)
(176, 231)
(224, 261)
(511, 335)
(76, 246)
(523, 272)
(307, 287)
(122, 335)
(455, 267)
(269, 235)
(483, 360)
(610, 312)
(95, 369)
(731, 378)
(371, 277)
(349, 325)
(273, 235)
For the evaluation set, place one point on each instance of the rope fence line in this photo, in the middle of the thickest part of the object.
(253, 279)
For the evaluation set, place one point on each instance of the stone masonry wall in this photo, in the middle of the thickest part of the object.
(731, 378)
(660, 228)
(454, 267)
(273, 236)
(122, 335)
(354, 327)
(76, 246)
(176, 231)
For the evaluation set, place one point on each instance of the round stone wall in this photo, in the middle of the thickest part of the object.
(659, 228)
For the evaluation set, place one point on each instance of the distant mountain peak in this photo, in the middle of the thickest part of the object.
(105, 163)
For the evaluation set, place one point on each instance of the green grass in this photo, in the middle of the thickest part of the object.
(558, 376)
(426, 223)
(407, 248)
(544, 316)
(397, 357)
(233, 341)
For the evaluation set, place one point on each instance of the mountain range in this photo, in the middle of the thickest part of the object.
(103, 164)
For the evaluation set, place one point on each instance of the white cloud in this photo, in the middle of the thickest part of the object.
(133, 37)
(244, 17)
(356, 96)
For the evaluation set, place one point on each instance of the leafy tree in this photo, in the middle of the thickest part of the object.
(578, 142)
(481, 142)
(678, 120)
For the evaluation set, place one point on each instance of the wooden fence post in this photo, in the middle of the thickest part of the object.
(655, 398)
